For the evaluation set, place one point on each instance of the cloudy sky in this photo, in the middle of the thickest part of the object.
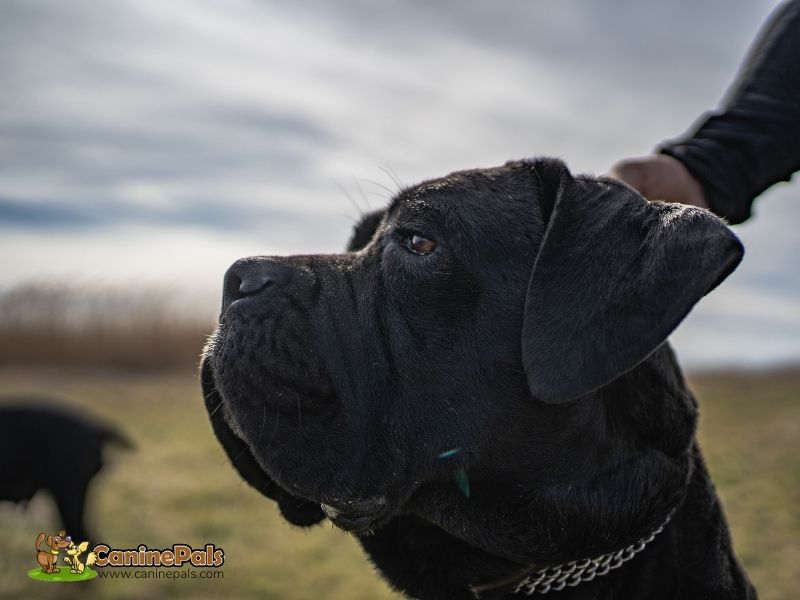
(153, 142)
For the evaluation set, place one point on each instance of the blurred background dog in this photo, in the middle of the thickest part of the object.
(44, 446)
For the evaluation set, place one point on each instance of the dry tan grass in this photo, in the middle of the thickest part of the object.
(147, 346)
(94, 326)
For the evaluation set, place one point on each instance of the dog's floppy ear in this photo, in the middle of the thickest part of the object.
(364, 230)
(613, 277)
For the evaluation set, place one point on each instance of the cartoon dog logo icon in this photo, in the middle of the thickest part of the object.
(47, 557)
(74, 553)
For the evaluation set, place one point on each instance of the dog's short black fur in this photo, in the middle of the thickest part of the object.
(503, 402)
(45, 446)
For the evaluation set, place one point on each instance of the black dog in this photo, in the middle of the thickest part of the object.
(43, 446)
(480, 389)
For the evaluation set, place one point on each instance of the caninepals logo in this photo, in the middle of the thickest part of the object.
(61, 559)
(73, 565)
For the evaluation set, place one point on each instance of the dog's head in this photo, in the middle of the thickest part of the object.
(59, 541)
(77, 549)
(456, 361)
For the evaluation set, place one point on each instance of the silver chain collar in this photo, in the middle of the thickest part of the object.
(555, 579)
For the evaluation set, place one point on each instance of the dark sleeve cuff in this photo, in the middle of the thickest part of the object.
(698, 156)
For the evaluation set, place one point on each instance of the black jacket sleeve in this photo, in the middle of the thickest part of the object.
(753, 141)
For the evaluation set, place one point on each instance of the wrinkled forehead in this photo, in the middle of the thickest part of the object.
(469, 204)
(453, 197)
(432, 198)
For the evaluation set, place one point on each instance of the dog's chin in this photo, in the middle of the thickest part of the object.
(360, 516)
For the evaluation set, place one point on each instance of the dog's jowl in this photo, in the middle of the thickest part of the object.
(480, 389)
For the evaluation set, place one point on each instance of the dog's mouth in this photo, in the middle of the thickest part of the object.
(358, 516)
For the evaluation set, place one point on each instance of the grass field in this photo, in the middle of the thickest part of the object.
(177, 487)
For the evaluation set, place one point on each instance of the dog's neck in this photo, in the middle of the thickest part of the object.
(623, 502)
(691, 557)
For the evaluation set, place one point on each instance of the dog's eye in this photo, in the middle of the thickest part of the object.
(419, 244)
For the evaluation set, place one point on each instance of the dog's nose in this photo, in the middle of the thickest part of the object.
(250, 276)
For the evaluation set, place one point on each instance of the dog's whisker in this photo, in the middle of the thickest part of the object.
(380, 195)
(393, 176)
(263, 421)
(352, 200)
(510, 368)
(274, 429)
(238, 456)
(361, 192)
(216, 408)
(390, 191)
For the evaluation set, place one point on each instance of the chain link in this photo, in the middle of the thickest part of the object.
(554, 579)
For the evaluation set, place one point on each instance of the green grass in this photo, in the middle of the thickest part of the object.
(62, 574)
(177, 487)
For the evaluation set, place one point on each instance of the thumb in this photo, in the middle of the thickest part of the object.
(633, 172)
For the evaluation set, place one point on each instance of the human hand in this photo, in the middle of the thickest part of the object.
(660, 177)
